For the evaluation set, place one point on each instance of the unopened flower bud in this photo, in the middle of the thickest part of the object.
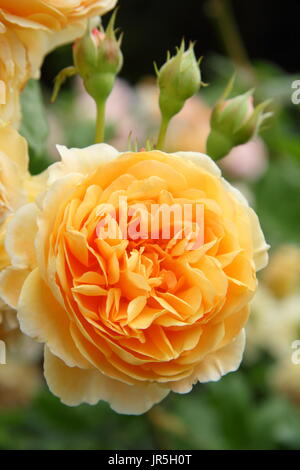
(98, 59)
(234, 122)
(178, 79)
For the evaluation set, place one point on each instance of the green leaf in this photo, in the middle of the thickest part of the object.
(278, 201)
(34, 125)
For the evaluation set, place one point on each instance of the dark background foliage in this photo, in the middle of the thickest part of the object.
(269, 29)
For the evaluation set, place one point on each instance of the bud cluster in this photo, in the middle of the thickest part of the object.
(98, 59)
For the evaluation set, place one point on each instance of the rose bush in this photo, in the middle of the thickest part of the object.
(128, 320)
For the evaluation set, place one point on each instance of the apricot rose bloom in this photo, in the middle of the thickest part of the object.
(29, 29)
(17, 188)
(14, 178)
(129, 320)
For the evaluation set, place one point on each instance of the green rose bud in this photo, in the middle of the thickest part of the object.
(234, 122)
(178, 79)
(98, 59)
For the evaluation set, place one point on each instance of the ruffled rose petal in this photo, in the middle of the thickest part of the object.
(223, 361)
(82, 161)
(202, 160)
(47, 322)
(20, 236)
(11, 283)
(260, 246)
(75, 386)
(14, 146)
(215, 365)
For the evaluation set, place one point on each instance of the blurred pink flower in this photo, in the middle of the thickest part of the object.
(248, 161)
(190, 128)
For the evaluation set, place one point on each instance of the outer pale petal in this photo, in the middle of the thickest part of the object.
(42, 318)
(14, 146)
(215, 365)
(11, 283)
(36, 186)
(83, 161)
(261, 248)
(39, 43)
(202, 160)
(74, 386)
(19, 248)
(49, 202)
(223, 361)
(20, 235)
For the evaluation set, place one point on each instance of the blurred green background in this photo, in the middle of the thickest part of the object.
(257, 407)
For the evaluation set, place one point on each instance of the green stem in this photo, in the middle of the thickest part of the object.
(163, 132)
(100, 124)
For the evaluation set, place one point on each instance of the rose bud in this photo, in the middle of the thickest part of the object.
(178, 79)
(98, 59)
(234, 122)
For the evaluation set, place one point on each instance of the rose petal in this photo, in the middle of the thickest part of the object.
(74, 386)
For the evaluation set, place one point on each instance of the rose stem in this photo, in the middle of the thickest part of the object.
(100, 124)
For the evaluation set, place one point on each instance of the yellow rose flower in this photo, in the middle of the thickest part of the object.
(13, 171)
(14, 74)
(17, 188)
(127, 320)
(29, 29)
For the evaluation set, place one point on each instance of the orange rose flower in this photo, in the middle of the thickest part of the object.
(29, 29)
(128, 319)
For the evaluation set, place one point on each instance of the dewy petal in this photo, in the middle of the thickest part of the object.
(75, 386)
(46, 321)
